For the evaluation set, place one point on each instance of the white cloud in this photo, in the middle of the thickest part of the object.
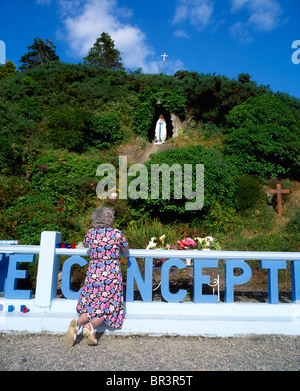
(85, 20)
(238, 5)
(264, 16)
(197, 12)
(43, 2)
(241, 32)
(181, 34)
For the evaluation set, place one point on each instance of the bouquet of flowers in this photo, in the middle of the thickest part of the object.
(207, 243)
(186, 244)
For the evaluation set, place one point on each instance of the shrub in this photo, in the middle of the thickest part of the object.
(105, 130)
(218, 220)
(218, 181)
(13, 188)
(29, 106)
(67, 126)
(264, 138)
(35, 214)
(6, 156)
(211, 130)
(248, 192)
(294, 224)
(64, 174)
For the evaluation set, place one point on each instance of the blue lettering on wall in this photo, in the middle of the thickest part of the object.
(295, 269)
(200, 280)
(231, 280)
(134, 274)
(3, 270)
(13, 274)
(66, 276)
(9, 266)
(165, 291)
(273, 267)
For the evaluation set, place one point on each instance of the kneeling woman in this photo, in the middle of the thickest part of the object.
(101, 299)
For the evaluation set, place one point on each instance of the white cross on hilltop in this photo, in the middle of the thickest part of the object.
(164, 56)
(164, 59)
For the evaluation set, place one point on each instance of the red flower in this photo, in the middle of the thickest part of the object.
(60, 209)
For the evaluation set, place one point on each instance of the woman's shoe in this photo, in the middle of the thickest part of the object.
(71, 336)
(89, 334)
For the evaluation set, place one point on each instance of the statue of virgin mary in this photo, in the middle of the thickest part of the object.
(161, 130)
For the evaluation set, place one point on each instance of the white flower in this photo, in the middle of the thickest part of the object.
(208, 240)
(200, 240)
(151, 244)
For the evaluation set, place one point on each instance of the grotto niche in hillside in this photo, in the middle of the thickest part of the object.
(161, 127)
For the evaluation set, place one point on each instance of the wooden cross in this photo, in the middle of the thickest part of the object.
(279, 191)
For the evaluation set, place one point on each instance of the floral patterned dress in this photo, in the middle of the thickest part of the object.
(102, 293)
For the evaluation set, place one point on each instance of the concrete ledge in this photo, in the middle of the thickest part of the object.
(159, 318)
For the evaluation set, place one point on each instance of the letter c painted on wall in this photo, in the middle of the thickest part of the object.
(165, 291)
(66, 277)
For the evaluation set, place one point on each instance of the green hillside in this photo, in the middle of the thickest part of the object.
(59, 122)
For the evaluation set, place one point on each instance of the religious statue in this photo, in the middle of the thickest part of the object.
(160, 130)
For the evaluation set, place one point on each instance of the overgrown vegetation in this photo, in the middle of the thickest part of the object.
(59, 122)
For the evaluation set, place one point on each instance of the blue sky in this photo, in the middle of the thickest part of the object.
(227, 37)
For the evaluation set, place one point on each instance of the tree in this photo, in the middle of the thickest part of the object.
(264, 138)
(103, 53)
(40, 53)
(244, 77)
(6, 70)
(212, 96)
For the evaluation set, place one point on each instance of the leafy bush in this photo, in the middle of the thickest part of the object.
(67, 126)
(29, 106)
(264, 138)
(13, 124)
(213, 96)
(60, 189)
(64, 174)
(6, 156)
(34, 214)
(105, 130)
(294, 224)
(248, 192)
(218, 181)
(13, 188)
(211, 130)
(219, 219)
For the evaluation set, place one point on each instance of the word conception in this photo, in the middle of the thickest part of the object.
(138, 188)
(145, 284)
(296, 54)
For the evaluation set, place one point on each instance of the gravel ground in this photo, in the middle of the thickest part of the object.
(40, 352)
